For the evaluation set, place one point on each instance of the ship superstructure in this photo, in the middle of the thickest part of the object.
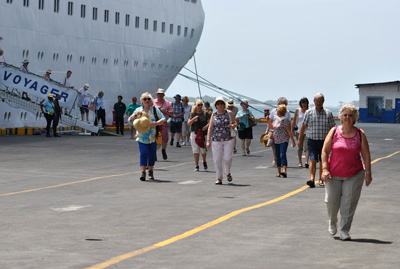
(123, 47)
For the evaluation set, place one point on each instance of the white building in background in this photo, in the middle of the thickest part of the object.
(379, 102)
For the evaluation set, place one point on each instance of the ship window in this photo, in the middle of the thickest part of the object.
(116, 17)
(146, 24)
(187, 0)
(159, 66)
(179, 30)
(106, 15)
(194, 1)
(192, 33)
(153, 65)
(155, 26)
(70, 8)
(41, 55)
(163, 27)
(186, 32)
(115, 61)
(26, 3)
(83, 11)
(95, 13)
(171, 28)
(136, 63)
(41, 4)
(9, 1)
(137, 22)
(56, 6)
(127, 18)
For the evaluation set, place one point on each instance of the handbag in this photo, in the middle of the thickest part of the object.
(199, 138)
(252, 122)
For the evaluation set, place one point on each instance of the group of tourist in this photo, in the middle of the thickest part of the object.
(338, 149)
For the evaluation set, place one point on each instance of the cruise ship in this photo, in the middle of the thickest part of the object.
(123, 47)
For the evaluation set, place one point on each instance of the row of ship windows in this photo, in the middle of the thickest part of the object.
(117, 17)
(7, 116)
(82, 59)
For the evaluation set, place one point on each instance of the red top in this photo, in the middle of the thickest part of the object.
(345, 159)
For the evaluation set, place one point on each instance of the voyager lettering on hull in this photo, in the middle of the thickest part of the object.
(35, 86)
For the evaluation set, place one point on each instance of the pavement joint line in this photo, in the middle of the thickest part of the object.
(95, 178)
(210, 224)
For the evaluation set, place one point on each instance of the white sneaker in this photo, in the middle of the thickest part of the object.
(332, 228)
(345, 236)
(188, 143)
(184, 144)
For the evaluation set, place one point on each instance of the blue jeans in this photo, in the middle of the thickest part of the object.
(280, 150)
(147, 154)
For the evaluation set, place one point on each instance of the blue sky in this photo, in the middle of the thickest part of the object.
(294, 48)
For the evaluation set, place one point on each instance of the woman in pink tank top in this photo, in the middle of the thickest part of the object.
(343, 171)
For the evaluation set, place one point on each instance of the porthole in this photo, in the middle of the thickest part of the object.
(25, 115)
(38, 55)
(22, 115)
(5, 116)
(37, 115)
(9, 116)
(41, 56)
(27, 53)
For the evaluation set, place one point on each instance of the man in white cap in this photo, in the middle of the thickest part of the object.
(83, 101)
(24, 66)
(166, 108)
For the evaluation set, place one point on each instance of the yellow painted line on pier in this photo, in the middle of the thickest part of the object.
(203, 227)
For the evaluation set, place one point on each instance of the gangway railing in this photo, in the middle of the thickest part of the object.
(17, 99)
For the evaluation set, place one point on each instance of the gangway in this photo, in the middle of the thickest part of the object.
(15, 97)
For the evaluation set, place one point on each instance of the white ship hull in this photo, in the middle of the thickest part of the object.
(112, 57)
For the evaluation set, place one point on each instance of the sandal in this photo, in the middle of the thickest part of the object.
(248, 151)
(229, 177)
(244, 154)
(300, 165)
(278, 175)
(274, 163)
(306, 165)
(283, 174)
(218, 182)
(311, 183)
(321, 183)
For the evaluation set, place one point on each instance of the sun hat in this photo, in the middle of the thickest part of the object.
(142, 124)
(219, 99)
(26, 61)
(160, 91)
(50, 95)
(264, 139)
(244, 102)
(86, 86)
(49, 71)
(231, 102)
(178, 96)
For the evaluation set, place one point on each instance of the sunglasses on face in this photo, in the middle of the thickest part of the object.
(347, 115)
(219, 104)
(199, 104)
(146, 99)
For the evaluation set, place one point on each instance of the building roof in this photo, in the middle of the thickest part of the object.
(378, 83)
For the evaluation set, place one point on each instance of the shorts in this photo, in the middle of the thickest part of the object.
(84, 108)
(315, 149)
(247, 133)
(196, 148)
(305, 143)
(175, 127)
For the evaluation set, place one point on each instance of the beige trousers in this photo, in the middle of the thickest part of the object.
(343, 193)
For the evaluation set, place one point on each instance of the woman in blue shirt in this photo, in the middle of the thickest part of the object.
(100, 109)
(147, 140)
(244, 130)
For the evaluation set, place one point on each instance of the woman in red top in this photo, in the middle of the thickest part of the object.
(344, 172)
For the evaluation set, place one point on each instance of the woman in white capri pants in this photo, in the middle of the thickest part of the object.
(219, 131)
(344, 172)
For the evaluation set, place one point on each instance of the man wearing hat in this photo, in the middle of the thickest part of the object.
(176, 120)
(83, 100)
(24, 66)
(48, 112)
(166, 108)
(47, 75)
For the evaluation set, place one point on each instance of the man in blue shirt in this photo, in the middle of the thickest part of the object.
(176, 120)
(48, 112)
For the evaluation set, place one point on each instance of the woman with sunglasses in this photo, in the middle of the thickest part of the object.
(147, 141)
(343, 171)
(198, 120)
(219, 131)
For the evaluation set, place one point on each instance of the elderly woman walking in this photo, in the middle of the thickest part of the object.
(198, 120)
(145, 119)
(219, 131)
(245, 130)
(282, 133)
(343, 171)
